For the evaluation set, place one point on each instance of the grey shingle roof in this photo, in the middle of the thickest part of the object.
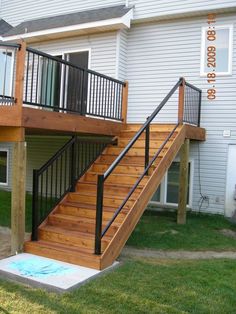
(4, 27)
(68, 20)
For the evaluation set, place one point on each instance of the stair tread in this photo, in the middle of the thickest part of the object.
(94, 193)
(118, 174)
(102, 163)
(79, 218)
(65, 231)
(108, 184)
(65, 248)
(87, 206)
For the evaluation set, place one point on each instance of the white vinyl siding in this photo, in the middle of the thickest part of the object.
(157, 55)
(121, 56)
(102, 49)
(16, 11)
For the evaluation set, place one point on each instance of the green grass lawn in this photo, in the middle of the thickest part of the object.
(160, 231)
(138, 286)
(5, 210)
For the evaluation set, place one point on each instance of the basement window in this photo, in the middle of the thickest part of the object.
(168, 191)
(216, 54)
(3, 167)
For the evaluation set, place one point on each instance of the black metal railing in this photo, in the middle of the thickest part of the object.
(59, 175)
(190, 107)
(58, 85)
(7, 73)
(192, 104)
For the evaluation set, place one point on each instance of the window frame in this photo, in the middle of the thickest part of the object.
(230, 50)
(190, 203)
(7, 170)
(164, 184)
(11, 85)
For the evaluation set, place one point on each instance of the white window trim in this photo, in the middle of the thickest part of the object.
(203, 50)
(163, 187)
(7, 176)
(12, 68)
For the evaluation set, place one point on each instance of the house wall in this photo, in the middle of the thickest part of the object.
(15, 11)
(157, 55)
(102, 50)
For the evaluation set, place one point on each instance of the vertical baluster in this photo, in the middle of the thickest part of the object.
(42, 101)
(89, 92)
(46, 191)
(51, 67)
(56, 182)
(72, 167)
(99, 210)
(37, 81)
(147, 144)
(35, 208)
(65, 168)
(51, 192)
(82, 92)
(27, 77)
(199, 108)
(32, 79)
(105, 99)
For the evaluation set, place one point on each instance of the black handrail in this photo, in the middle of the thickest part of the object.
(59, 175)
(10, 45)
(59, 85)
(194, 103)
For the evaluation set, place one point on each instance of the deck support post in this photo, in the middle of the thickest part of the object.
(18, 197)
(183, 182)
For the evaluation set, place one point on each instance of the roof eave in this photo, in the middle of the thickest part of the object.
(114, 23)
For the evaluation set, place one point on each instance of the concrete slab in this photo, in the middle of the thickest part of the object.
(46, 273)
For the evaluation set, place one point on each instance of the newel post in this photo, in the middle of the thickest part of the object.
(181, 102)
(125, 102)
(20, 71)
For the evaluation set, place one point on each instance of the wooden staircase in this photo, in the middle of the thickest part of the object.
(68, 234)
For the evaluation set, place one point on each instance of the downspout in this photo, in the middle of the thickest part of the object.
(126, 3)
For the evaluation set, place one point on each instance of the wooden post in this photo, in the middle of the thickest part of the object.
(181, 102)
(125, 102)
(20, 71)
(183, 182)
(18, 197)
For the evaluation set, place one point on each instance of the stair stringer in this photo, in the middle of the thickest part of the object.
(121, 236)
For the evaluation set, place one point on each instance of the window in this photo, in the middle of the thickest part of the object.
(172, 191)
(157, 195)
(168, 191)
(223, 44)
(3, 167)
(6, 66)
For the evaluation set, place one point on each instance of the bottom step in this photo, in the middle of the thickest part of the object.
(63, 253)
